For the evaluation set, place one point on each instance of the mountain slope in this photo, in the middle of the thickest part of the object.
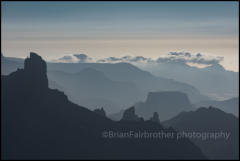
(213, 81)
(92, 87)
(126, 72)
(228, 106)
(206, 121)
(41, 123)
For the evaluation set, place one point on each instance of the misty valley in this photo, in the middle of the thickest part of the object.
(119, 80)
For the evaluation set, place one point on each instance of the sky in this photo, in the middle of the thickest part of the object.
(104, 29)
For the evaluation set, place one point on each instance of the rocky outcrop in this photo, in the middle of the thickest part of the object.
(100, 111)
(129, 115)
(36, 69)
(155, 118)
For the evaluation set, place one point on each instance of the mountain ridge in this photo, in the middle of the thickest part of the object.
(210, 120)
(41, 123)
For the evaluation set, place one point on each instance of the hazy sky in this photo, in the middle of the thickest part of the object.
(102, 29)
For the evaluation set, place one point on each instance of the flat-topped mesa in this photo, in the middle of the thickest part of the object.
(166, 97)
(36, 68)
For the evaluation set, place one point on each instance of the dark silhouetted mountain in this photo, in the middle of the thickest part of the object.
(129, 115)
(228, 106)
(209, 120)
(41, 123)
(36, 70)
(155, 118)
(100, 111)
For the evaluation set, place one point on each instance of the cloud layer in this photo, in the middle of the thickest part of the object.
(186, 57)
(75, 58)
(172, 57)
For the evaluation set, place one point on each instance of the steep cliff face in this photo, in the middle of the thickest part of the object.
(36, 70)
(163, 98)
(32, 78)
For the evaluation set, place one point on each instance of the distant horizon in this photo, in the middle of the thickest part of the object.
(70, 59)
(117, 29)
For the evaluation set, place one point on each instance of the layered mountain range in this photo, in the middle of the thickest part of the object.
(166, 103)
(213, 81)
(229, 105)
(41, 123)
(128, 83)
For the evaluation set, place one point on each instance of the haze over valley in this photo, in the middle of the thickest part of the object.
(119, 80)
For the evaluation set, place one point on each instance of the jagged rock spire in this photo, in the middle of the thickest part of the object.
(155, 118)
(36, 69)
(129, 115)
(100, 111)
(35, 63)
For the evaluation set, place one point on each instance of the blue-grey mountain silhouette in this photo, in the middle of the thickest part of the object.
(214, 81)
(120, 72)
(9, 65)
(162, 103)
(125, 72)
(228, 106)
(91, 85)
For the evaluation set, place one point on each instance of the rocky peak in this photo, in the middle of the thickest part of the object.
(36, 70)
(155, 118)
(35, 64)
(100, 111)
(129, 115)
